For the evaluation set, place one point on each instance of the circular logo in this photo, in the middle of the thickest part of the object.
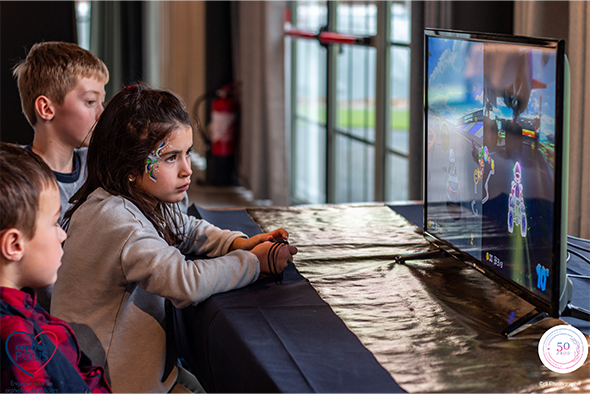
(563, 349)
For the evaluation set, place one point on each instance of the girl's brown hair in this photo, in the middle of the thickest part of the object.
(132, 125)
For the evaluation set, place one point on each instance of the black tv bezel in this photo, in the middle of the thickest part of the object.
(556, 305)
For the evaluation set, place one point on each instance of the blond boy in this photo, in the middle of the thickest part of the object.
(39, 352)
(61, 88)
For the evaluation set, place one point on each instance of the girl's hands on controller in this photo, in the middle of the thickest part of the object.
(250, 243)
(283, 256)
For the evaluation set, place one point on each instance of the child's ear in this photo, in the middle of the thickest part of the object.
(44, 108)
(12, 244)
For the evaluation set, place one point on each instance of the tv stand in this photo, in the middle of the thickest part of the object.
(429, 254)
(576, 312)
(569, 310)
(524, 322)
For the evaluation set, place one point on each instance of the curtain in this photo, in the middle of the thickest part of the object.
(116, 38)
(569, 21)
(106, 40)
(541, 19)
(182, 50)
(438, 14)
(259, 66)
(579, 178)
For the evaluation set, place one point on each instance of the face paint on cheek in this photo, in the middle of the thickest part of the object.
(152, 163)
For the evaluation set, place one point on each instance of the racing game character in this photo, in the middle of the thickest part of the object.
(516, 207)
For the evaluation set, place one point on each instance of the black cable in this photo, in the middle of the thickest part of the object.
(272, 258)
(578, 247)
(580, 255)
(278, 276)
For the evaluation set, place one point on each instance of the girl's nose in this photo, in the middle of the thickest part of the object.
(187, 169)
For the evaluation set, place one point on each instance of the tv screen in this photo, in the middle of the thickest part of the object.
(495, 142)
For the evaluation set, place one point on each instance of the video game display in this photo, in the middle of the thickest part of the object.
(490, 154)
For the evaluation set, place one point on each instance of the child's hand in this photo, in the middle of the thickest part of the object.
(250, 243)
(283, 256)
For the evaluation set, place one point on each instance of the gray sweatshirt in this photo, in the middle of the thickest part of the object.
(115, 275)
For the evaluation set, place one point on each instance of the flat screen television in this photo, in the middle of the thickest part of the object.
(495, 172)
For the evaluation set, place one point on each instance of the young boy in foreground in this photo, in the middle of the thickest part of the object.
(39, 352)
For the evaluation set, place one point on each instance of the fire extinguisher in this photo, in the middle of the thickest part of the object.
(222, 128)
(222, 134)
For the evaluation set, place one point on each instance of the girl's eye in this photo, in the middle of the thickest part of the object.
(171, 159)
(91, 102)
(188, 152)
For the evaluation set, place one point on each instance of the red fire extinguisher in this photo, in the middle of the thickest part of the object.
(221, 134)
(222, 128)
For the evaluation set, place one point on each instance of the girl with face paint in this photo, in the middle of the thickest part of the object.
(124, 255)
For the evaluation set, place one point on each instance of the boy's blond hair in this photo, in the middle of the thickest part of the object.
(53, 69)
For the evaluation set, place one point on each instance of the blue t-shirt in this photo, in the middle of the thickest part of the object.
(69, 183)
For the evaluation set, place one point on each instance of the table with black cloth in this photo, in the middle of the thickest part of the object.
(346, 318)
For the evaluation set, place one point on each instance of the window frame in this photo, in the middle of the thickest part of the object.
(383, 45)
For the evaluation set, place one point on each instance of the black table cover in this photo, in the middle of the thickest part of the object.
(273, 336)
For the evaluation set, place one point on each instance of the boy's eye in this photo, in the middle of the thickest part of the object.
(90, 102)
